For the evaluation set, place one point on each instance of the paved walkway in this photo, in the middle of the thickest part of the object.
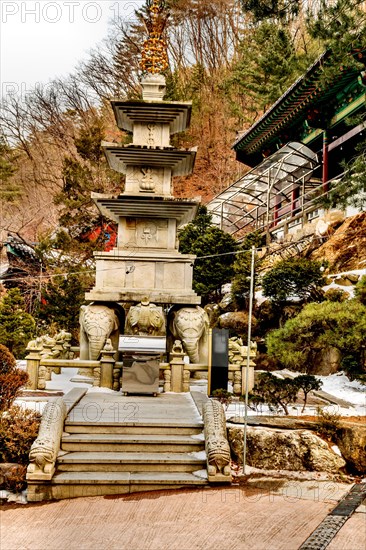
(277, 516)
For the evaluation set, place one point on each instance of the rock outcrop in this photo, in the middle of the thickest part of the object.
(351, 440)
(237, 321)
(346, 248)
(271, 449)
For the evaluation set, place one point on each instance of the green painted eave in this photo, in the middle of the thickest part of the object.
(338, 117)
(291, 108)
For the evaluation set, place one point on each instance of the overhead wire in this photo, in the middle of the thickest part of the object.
(93, 271)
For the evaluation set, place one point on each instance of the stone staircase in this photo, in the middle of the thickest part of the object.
(110, 458)
(284, 251)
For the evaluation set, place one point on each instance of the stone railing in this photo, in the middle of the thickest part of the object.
(177, 373)
(216, 443)
(107, 373)
(45, 448)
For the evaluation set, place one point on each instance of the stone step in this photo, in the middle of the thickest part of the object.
(86, 484)
(107, 442)
(131, 461)
(134, 428)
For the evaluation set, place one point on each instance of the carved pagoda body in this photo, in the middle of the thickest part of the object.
(146, 263)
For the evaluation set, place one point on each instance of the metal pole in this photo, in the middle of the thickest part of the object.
(248, 356)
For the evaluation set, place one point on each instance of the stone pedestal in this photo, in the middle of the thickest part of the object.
(106, 369)
(33, 359)
(163, 278)
(250, 379)
(177, 367)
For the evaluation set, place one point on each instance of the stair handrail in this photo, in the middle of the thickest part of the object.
(44, 450)
(216, 443)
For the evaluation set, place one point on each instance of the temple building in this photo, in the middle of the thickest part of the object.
(296, 152)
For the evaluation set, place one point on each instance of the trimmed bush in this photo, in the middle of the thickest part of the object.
(15, 479)
(300, 343)
(275, 392)
(18, 429)
(11, 378)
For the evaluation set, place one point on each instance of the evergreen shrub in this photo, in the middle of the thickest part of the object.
(18, 429)
(11, 378)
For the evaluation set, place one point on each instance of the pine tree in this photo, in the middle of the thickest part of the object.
(61, 301)
(267, 64)
(293, 277)
(9, 190)
(16, 326)
(203, 238)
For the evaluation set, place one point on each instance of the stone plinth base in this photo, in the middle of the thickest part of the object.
(131, 276)
(137, 295)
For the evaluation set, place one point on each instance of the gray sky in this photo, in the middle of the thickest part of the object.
(46, 38)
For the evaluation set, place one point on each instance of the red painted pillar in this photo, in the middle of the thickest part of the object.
(277, 206)
(325, 162)
(294, 196)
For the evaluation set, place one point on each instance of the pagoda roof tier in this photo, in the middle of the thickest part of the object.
(180, 161)
(177, 114)
(152, 206)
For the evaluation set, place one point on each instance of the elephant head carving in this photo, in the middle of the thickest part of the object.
(145, 318)
(97, 323)
(190, 324)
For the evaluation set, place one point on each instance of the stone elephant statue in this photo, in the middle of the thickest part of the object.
(145, 318)
(97, 323)
(190, 325)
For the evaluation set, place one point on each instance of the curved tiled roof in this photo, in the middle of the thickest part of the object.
(291, 108)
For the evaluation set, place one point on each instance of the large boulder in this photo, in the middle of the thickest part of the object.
(328, 361)
(273, 449)
(236, 321)
(351, 440)
(227, 303)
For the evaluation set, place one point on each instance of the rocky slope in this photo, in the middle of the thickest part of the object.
(346, 247)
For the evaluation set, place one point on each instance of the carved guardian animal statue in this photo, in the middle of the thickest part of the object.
(43, 453)
(190, 325)
(44, 450)
(217, 445)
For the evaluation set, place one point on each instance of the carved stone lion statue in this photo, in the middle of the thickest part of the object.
(43, 451)
(217, 445)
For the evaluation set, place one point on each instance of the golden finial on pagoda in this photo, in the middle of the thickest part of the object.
(154, 57)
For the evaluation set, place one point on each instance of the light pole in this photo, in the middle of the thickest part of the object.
(248, 356)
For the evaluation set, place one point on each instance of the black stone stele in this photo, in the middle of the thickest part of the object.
(220, 360)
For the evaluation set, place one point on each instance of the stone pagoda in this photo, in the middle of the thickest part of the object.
(146, 264)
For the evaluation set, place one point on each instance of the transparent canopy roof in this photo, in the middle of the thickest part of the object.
(271, 182)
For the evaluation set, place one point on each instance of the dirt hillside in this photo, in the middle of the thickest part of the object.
(346, 248)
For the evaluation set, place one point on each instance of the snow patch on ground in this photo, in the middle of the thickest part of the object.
(200, 473)
(200, 455)
(341, 386)
(336, 450)
(16, 498)
(200, 437)
(96, 389)
(62, 381)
